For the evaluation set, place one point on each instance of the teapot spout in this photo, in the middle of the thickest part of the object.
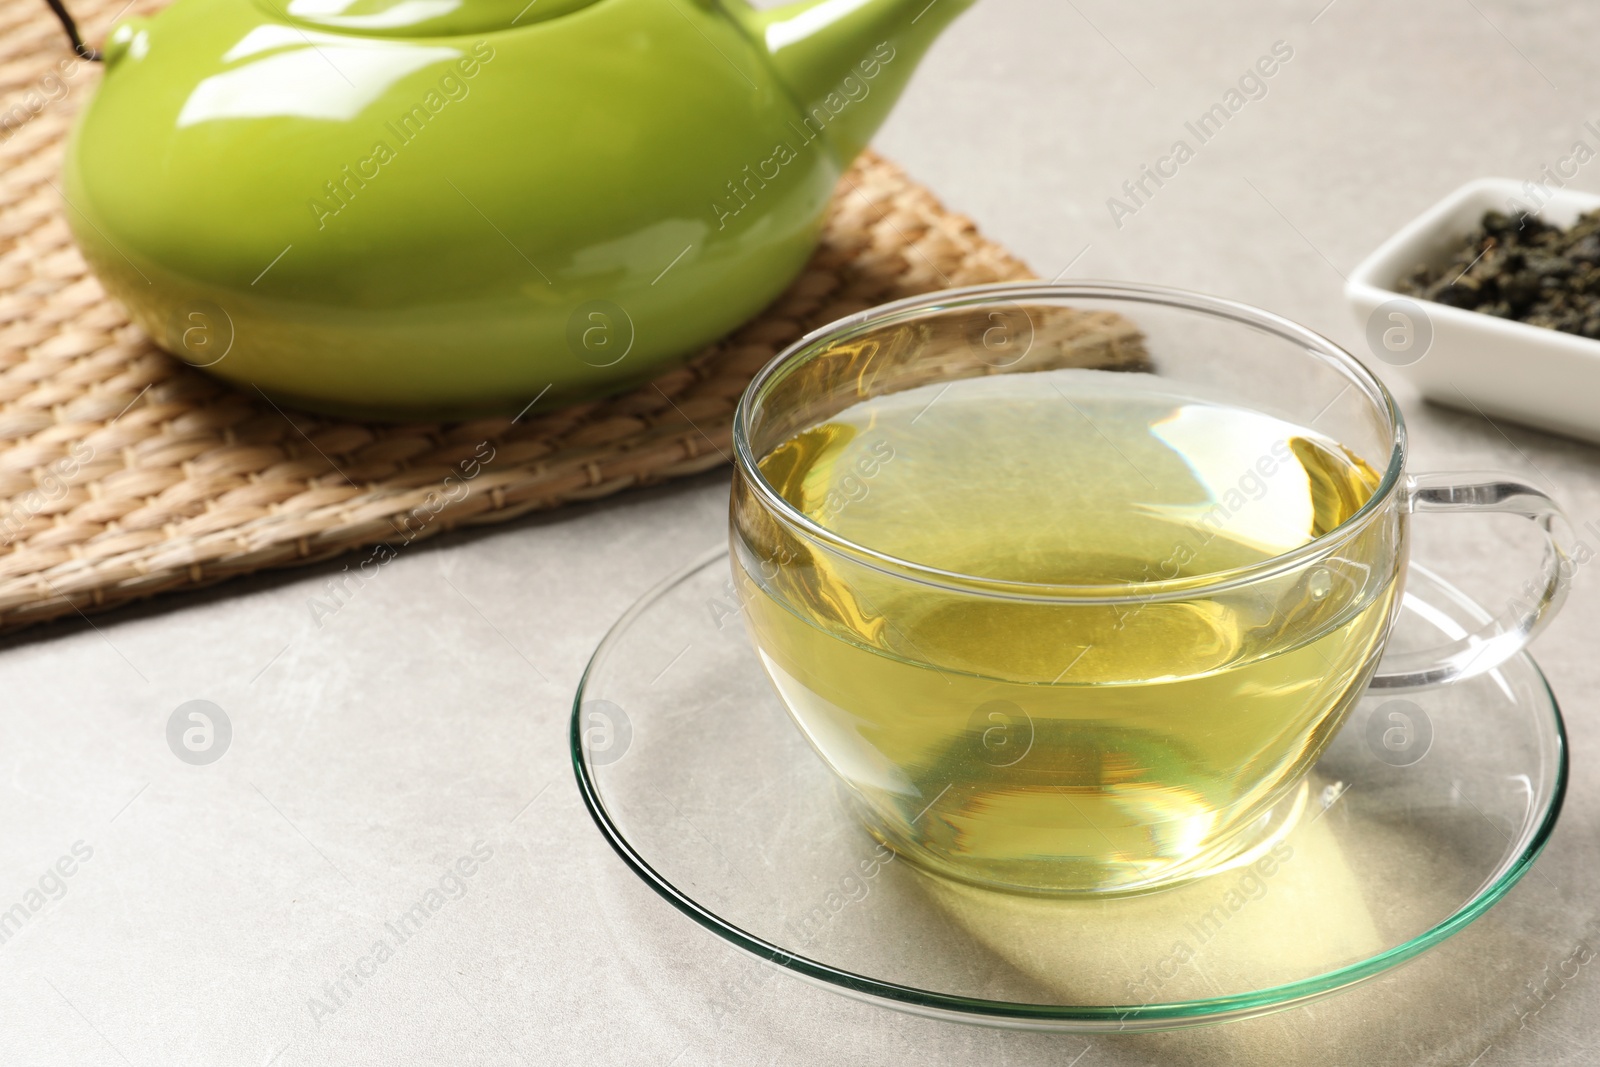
(846, 61)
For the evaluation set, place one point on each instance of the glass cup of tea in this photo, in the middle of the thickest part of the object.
(1071, 584)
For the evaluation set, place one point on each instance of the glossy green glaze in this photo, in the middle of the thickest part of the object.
(405, 208)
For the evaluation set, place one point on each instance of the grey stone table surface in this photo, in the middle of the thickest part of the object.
(208, 905)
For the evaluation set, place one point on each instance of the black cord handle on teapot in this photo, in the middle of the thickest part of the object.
(83, 50)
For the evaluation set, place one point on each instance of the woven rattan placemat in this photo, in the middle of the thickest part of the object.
(124, 472)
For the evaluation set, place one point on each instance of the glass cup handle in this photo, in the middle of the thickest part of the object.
(1510, 632)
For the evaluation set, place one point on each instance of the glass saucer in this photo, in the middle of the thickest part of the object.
(1424, 811)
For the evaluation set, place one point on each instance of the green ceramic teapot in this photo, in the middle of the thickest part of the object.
(407, 208)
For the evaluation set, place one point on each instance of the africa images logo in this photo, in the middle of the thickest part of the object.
(341, 189)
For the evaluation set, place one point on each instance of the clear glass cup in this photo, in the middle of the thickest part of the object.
(934, 694)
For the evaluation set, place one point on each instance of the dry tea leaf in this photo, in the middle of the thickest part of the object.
(1516, 267)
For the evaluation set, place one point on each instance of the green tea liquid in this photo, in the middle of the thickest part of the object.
(1054, 746)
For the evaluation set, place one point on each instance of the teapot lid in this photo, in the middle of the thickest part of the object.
(422, 18)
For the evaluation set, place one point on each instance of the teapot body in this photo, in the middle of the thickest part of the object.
(440, 226)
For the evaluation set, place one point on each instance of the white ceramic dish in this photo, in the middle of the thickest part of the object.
(1466, 359)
